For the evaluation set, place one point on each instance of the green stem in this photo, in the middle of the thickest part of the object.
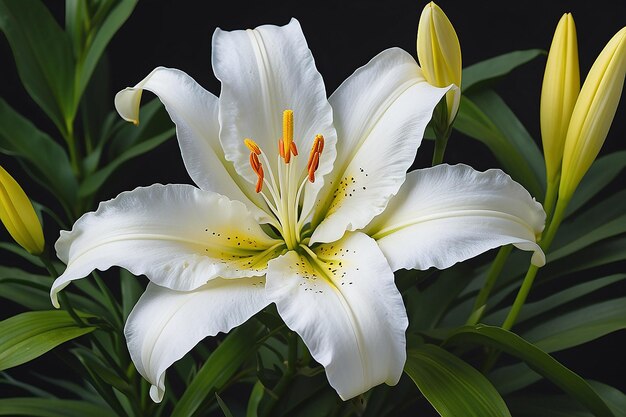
(492, 276)
(550, 199)
(440, 148)
(442, 129)
(545, 243)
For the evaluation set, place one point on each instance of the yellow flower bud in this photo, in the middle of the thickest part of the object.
(561, 85)
(439, 54)
(593, 113)
(18, 216)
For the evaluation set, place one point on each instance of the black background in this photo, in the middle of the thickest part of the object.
(344, 35)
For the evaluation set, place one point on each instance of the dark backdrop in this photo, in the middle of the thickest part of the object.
(344, 35)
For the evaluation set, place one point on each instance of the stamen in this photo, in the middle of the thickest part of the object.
(293, 149)
(259, 181)
(250, 144)
(314, 156)
(313, 166)
(281, 148)
(287, 134)
(254, 162)
(255, 151)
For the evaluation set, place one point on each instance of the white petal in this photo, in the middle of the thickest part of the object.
(263, 72)
(194, 111)
(177, 235)
(447, 214)
(381, 112)
(345, 306)
(166, 324)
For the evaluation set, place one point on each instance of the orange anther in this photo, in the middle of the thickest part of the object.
(259, 185)
(254, 162)
(293, 149)
(313, 164)
(281, 148)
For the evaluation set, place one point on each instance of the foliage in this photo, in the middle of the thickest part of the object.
(461, 361)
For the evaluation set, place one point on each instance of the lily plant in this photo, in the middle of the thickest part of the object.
(300, 200)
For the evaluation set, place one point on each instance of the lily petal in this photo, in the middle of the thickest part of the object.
(165, 324)
(447, 214)
(381, 112)
(180, 237)
(263, 72)
(194, 111)
(343, 302)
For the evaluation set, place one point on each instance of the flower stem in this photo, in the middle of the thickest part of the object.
(442, 131)
(492, 276)
(545, 243)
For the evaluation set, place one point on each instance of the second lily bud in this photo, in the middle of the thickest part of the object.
(593, 113)
(561, 84)
(439, 54)
(18, 216)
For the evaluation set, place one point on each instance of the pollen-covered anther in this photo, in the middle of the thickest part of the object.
(287, 138)
(250, 144)
(314, 156)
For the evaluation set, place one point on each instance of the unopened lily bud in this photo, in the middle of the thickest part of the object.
(561, 85)
(439, 54)
(593, 113)
(18, 216)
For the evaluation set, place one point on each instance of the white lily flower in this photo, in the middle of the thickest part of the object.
(318, 234)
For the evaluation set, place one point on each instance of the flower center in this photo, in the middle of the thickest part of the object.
(284, 192)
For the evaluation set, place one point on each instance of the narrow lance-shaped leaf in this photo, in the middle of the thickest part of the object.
(46, 159)
(452, 386)
(475, 76)
(536, 359)
(220, 367)
(43, 56)
(29, 335)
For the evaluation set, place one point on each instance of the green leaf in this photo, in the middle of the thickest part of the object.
(21, 252)
(536, 359)
(426, 308)
(220, 367)
(131, 291)
(29, 335)
(43, 56)
(602, 221)
(615, 398)
(453, 387)
(604, 170)
(223, 406)
(562, 297)
(579, 326)
(115, 18)
(496, 67)
(93, 182)
(486, 118)
(48, 407)
(45, 158)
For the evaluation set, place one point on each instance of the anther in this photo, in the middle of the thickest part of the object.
(313, 164)
(250, 144)
(287, 134)
(314, 156)
(293, 149)
(254, 162)
(281, 148)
